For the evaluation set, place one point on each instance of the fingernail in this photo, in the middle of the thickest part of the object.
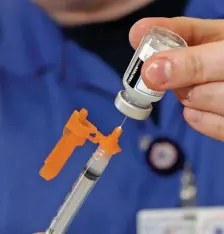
(193, 115)
(159, 72)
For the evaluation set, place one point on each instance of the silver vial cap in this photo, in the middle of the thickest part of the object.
(131, 110)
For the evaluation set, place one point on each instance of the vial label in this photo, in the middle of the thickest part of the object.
(140, 86)
(134, 79)
(146, 52)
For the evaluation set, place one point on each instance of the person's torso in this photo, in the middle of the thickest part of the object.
(43, 78)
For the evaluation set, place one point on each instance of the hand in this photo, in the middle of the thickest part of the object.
(196, 73)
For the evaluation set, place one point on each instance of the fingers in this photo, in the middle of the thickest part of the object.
(208, 97)
(194, 67)
(204, 109)
(207, 123)
(194, 31)
(185, 67)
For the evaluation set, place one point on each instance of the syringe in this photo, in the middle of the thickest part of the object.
(91, 173)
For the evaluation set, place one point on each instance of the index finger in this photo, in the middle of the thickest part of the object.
(194, 31)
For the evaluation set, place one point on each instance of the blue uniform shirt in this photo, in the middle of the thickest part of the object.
(43, 78)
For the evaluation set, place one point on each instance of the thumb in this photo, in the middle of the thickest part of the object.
(185, 67)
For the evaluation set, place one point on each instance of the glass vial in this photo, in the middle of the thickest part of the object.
(136, 100)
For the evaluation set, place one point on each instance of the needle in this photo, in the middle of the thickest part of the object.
(123, 121)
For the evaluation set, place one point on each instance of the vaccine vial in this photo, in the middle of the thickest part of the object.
(136, 100)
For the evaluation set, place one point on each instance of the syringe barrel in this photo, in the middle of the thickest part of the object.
(82, 187)
(135, 101)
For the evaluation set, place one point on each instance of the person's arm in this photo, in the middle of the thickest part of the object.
(196, 73)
